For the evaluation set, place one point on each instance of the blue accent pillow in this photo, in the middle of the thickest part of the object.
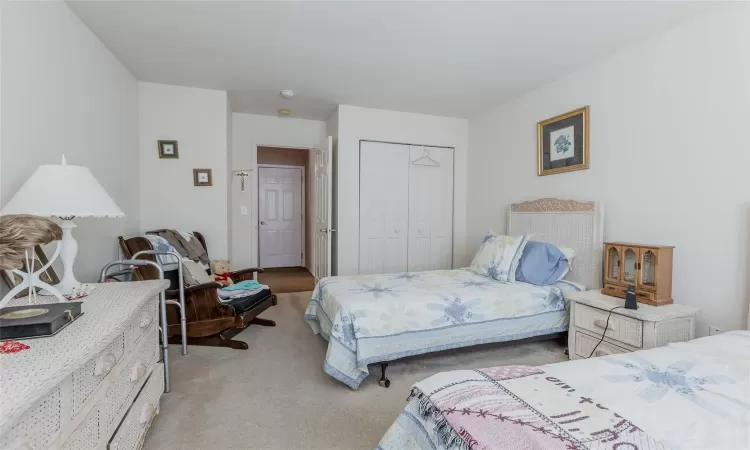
(541, 264)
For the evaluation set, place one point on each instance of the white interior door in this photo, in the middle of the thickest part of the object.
(323, 219)
(383, 207)
(431, 210)
(280, 216)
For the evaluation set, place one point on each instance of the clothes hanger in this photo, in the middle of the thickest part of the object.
(426, 160)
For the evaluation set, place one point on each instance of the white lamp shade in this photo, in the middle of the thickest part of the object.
(62, 191)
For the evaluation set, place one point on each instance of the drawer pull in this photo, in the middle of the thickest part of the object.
(603, 325)
(145, 320)
(137, 372)
(148, 412)
(104, 364)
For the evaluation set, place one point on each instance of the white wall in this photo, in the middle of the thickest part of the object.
(669, 155)
(197, 119)
(248, 132)
(64, 92)
(355, 124)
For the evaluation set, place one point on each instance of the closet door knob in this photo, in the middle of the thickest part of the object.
(396, 231)
(262, 222)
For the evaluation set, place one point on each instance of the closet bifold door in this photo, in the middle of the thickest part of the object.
(430, 209)
(383, 207)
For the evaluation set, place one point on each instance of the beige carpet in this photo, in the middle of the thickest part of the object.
(276, 396)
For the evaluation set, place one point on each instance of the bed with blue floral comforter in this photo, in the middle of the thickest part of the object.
(374, 318)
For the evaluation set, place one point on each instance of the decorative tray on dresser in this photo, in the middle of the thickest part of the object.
(94, 385)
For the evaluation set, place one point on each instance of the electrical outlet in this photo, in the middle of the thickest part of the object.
(243, 210)
(713, 331)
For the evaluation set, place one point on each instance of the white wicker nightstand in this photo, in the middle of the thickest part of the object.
(629, 330)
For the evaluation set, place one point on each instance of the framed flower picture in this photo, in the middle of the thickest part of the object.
(563, 142)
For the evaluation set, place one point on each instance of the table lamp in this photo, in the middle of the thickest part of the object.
(65, 192)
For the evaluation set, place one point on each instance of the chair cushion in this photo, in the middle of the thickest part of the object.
(242, 304)
(195, 273)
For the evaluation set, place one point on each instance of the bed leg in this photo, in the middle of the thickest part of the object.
(384, 382)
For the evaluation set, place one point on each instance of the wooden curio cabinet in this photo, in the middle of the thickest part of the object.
(647, 267)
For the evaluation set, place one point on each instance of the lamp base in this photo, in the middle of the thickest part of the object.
(68, 287)
(68, 252)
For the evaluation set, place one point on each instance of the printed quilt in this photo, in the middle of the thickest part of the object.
(692, 395)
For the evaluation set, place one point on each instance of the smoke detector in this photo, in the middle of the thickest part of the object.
(285, 112)
(287, 93)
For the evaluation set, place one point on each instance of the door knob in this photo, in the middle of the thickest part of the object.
(262, 222)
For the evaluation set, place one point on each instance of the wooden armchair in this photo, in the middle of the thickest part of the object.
(209, 322)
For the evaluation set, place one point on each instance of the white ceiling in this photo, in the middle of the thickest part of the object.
(443, 58)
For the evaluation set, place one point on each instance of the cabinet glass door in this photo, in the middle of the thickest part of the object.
(630, 265)
(647, 278)
(612, 271)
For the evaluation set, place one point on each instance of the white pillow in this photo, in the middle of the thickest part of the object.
(195, 273)
(498, 256)
(569, 254)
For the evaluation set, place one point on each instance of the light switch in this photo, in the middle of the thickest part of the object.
(243, 210)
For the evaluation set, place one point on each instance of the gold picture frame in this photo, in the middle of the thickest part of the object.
(563, 142)
(202, 177)
(168, 149)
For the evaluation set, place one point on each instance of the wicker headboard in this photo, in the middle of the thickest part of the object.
(565, 223)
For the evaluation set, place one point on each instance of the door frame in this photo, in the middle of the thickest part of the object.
(304, 200)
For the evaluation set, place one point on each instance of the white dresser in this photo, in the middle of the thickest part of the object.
(629, 330)
(94, 385)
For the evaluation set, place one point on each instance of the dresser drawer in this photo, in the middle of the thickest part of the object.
(88, 377)
(620, 291)
(621, 328)
(88, 433)
(132, 430)
(142, 320)
(38, 427)
(132, 376)
(585, 344)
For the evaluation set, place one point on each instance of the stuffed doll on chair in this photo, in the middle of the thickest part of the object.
(221, 272)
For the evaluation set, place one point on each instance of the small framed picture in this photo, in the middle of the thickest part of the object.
(563, 142)
(168, 149)
(202, 177)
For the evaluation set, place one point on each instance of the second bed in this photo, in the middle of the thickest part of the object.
(369, 319)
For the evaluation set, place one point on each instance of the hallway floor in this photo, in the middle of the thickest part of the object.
(287, 279)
